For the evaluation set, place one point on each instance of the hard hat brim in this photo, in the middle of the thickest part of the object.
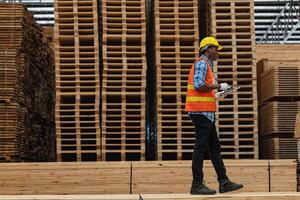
(205, 47)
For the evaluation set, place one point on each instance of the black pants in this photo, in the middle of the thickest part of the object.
(206, 140)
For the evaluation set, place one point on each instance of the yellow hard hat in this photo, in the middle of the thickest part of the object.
(210, 41)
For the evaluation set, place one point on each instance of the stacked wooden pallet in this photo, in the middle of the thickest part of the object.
(77, 80)
(124, 79)
(176, 47)
(157, 177)
(278, 74)
(233, 25)
(27, 88)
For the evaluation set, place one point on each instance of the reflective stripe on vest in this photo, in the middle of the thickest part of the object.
(200, 99)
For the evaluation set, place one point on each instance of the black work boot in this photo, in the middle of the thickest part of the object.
(201, 189)
(229, 186)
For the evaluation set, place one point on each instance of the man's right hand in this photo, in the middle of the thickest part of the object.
(224, 86)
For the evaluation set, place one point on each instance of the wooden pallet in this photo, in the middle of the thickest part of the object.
(77, 80)
(124, 80)
(78, 178)
(176, 46)
(278, 117)
(280, 148)
(232, 24)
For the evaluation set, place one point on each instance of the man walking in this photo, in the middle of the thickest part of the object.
(201, 106)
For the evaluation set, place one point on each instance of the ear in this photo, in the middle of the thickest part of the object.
(208, 49)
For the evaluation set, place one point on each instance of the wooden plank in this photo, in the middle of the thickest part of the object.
(65, 178)
(283, 175)
(61, 178)
(239, 196)
(297, 126)
(278, 52)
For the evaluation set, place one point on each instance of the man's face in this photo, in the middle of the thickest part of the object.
(213, 53)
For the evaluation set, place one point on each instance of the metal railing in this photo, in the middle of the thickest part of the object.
(284, 25)
(42, 10)
(27, 1)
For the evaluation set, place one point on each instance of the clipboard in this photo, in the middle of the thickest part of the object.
(223, 94)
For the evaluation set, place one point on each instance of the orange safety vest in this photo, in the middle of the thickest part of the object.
(197, 101)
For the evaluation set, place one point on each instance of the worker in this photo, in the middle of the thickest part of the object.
(201, 108)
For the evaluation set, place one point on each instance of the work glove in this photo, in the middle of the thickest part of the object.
(225, 87)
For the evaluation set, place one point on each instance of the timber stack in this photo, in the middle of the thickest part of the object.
(279, 77)
(27, 88)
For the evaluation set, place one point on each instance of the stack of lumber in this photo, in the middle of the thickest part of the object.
(156, 177)
(280, 82)
(176, 48)
(278, 118)
(278, 85)
(27, 88)
(277, 53)
(232, 24)
(124, 79)
(141, 177)
(280, 148)
(77, 80)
